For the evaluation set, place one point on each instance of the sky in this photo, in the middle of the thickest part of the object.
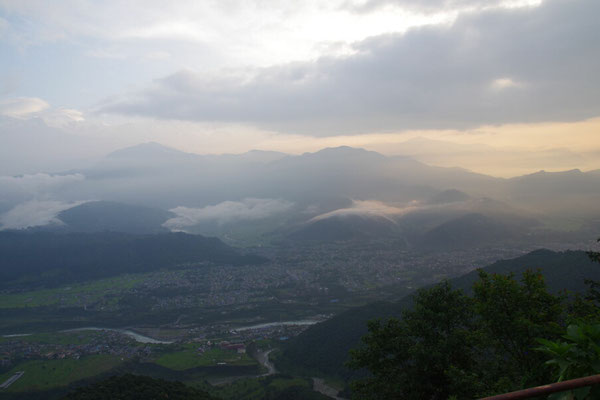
(499, 87)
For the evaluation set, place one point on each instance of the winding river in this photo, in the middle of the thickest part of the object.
(138, 337)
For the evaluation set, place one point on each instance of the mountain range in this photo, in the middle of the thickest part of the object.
(294, 197)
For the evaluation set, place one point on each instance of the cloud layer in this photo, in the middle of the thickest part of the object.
(367, 208)
(493, 67)
(34, 213)
(15, 190)
(227, 211)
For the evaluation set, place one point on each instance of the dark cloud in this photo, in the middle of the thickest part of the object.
(492, 67)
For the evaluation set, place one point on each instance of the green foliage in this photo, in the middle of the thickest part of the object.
(132, 387)
(454, 345)
(426, 355)
(274, 387)
(594, 255)
(510, 317)
(576, 357)
(579, 355)
(593, 294)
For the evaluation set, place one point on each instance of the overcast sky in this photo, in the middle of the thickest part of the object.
(515, 80)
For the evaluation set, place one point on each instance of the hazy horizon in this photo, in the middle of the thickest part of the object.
(503, 88)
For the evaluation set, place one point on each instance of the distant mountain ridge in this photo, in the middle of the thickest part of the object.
(155, 176)
(339, 171)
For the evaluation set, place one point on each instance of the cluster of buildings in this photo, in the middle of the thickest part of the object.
(105, 342)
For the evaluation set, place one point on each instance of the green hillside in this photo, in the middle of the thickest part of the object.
(133, 387)
(49, 259)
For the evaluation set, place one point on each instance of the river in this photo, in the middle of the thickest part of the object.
(271, 324)
(138, 337)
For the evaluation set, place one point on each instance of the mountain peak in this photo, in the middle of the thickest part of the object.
(344, 151)
(145, 149)
(544, 173)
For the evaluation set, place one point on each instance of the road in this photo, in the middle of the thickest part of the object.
(262, 357)
(11, 380)
(320, 386)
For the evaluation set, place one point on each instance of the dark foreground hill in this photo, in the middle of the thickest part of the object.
(133, 387)
(323, 348)
(50, 259)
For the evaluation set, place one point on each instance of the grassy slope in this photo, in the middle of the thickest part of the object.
(49, 374)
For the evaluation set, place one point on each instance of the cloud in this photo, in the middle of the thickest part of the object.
(368, 207)
(213, 34)
(15, 190)
(34, 213)
(38, 183)
(504, 83)
(493, 67)
(434, 6)
(22, 107)
(227, 211)
(61, 117)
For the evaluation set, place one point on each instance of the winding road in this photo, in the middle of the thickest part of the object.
(320, 386)
(263, 359)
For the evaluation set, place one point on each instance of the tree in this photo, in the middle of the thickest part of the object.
(453, 345)
(594, 255)
(576, 357)
(578, 353)
(511, 316)
(426, 355)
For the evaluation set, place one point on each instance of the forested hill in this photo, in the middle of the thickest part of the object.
(565, 270)
(49, 259)
(101, 216)
(133, 387)
(323, 348)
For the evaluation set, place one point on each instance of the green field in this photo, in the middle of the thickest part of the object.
(187, 357)
(59, 338)
(80, 294)
(49, 374)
